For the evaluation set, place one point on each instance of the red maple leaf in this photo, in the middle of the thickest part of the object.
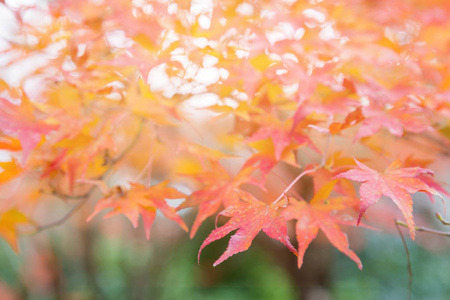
(141, 200)
(250, 217)
(399, 118)
(320, 213)
(395, 182)
(283, 135)
(220, 188)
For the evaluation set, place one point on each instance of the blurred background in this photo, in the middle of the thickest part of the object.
(110, 260)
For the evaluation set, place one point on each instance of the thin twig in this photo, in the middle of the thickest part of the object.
(424, 229)
(397, 223)
(284, 181)
(294, 182)
(59, 195)
(85, 197)
(440, 218)
(60, 221)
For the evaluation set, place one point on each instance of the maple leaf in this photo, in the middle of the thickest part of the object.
(9, 143)
(282, 135)
(397, 119)
(429, 180)
(395, 182)
(320, 214)
(20, 120)
(351, 119)
(220, 188)
(10, 170)
(141, 200)
(250, 217)
(9, 221)
(263, 162)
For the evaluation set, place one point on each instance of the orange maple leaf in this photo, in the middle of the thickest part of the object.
(9, 221)
(320, 214)
(282, 135)
(9, 170)
(250, 217)
(9, 143)
(350, 120)
(141, 200)
(395, 182)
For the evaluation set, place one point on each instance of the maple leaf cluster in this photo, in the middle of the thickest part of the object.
(140, 100)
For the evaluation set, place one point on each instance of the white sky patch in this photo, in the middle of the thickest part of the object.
(181, 57)
(172, 8)
(365, 101)
(147, 9)
(203, 9)
(35, 86)
(201, 6)
(230, 102)
(68, 65)
(20, 3)
(202, 100)
(8, 24)
(36, 17)
(3, 45)
(290, 56)
(291, 89)
(192, 107)
(284, 31)
(118, 39)
(200, 42)
(245, 9)
(314, 14)
(158, 78)
(191, 70)
(388, 106)
(239, 95)
(204, 21)
(207, 76)
(328, 33)
(15, 73)
(224, 73)
(267, 14)
(209, 61)
(242, 53)
(168, 37)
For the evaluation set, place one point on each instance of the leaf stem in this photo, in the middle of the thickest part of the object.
(294, 182)
(397, 223)
(326, 151)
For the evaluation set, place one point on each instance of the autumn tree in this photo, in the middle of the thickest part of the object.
(286, 117)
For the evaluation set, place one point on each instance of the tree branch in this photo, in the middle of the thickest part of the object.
(424, 229)
(85, 197)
